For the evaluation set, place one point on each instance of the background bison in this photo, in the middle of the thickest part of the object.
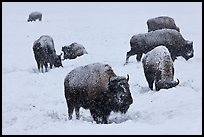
(172, 39)
(97, 88)
(74, 50)
(158, 66)
(44, 53)
(34, 16)
(161, 22)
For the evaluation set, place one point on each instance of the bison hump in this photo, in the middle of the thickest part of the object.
(90, 76)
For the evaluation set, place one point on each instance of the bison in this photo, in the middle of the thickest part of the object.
(34, 16)
(158, 66)
(44, 52)
(74, 50)
(161, 22)
(172, 39)
(97, 88)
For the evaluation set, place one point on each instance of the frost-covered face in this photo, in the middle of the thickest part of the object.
(121, 94)
(189, 51)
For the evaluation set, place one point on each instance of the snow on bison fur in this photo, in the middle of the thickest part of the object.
(44, 53)
(172, 39)
(158, 66)
(34, 16)
(97, 88)
(74, 50)
(161, 22)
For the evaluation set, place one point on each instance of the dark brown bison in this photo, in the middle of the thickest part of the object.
(158, 66)
(172, 39)
(44, 53)
(97, 88)
(161, 22)
(34, 16)
(74, 50)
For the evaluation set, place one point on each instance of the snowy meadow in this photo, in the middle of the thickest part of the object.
(34, 102)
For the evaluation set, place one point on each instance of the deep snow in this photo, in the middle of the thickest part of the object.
(34, 103)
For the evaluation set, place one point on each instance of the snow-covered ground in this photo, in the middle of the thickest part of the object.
(34, 103)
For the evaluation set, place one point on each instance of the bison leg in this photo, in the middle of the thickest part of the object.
(38, 64)
(70, 110)
(150, 78)
(130, 53)
(77, 112)
(45, 64)
(51, 65)
(41, 66)
(139, 56)
(104, 119)
(95, 116)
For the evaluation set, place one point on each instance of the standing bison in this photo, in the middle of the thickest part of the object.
(172, 39)
(161, 22)
(44, 52)
(97, 88)
(74, 50)
(158, 66)
(34, 16)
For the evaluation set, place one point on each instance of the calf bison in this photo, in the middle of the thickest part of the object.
(172, 39)
(97, 88)
(74, 50)
(161, 22)
(44, 52)
(34, 16)
(158, 66)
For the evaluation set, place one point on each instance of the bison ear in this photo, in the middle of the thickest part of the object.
(128, 77)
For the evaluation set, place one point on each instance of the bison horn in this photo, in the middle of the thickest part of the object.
(175, 83)
(128, 77)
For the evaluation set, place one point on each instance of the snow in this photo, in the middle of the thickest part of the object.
(34, 103)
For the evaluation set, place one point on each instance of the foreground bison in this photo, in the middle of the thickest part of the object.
(172, 39)
(44, 53)
(161, 22)
(97, 88)
(74, 50)
(158, 66)
(34, 16)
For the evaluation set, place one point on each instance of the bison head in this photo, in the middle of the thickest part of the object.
(188, 51)
(161, 84)
(58, 61)
(121, 96)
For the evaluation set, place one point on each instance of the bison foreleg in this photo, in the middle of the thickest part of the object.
(70, 111)
(139, 56)
(130, 53)
(38, 64)
(150, 78)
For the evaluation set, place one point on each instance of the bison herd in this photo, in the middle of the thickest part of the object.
(97, 87)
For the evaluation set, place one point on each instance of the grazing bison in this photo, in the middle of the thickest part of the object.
(97, 88)
(74, 50)
(34, 16)
(161, 22)
(44, 52)
(172, 39)
(158, 66)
